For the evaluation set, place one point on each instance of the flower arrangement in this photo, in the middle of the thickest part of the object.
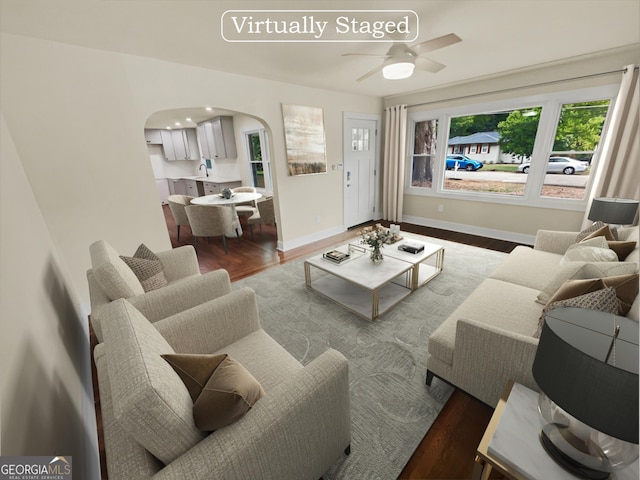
(375, 237)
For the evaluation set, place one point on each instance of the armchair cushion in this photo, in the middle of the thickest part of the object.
(222, 390)
(116, 279)
(147, 267)
(149, 399)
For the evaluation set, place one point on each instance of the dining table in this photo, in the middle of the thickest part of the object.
(218, 199)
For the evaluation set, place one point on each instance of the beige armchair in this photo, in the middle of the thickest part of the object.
(110, 278)
(249, 208)
(211, 221)
(265, 215)
(176, 205)
(296, 431)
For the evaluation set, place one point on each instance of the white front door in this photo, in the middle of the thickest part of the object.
(359, 169)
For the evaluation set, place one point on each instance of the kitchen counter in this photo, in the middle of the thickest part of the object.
(199, 185)
(204, 178)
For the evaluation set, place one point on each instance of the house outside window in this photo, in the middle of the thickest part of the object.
(508, 135)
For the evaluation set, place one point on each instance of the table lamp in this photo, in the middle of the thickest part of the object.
(586, 367)
(614, 211)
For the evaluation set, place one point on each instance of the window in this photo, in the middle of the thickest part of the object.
(424, 152)
(258, 160)
(536, 150)
(576, 138)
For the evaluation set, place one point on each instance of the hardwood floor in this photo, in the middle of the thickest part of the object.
(447, 451)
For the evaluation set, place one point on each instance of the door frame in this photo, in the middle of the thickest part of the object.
(346, 148)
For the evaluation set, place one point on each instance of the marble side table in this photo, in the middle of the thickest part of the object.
(511, 446)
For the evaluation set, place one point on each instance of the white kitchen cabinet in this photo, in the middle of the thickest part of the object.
(153, 136)
(194, 188)
(217, 138)
(180, 144)
(163, 190)
(178, 187)
(213, 188)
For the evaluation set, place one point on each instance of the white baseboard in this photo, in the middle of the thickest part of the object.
(471, 229)
(302, 241)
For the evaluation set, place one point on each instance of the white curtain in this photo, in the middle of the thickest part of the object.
(395, 148)
(618, 164)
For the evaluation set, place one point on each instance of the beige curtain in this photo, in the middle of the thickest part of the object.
(618, 164)
(395, 148)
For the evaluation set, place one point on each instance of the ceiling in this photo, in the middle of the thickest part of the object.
(498, 36)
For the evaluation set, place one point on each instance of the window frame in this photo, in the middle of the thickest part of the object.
(551, 104)
(266, 163)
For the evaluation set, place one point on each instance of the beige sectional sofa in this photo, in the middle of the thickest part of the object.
(489, 339)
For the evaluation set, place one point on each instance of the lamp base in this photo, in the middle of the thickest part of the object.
(557, 440)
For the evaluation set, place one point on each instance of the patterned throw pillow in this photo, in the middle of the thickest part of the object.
(604, 300)
(594, 227)
(221, 389)
(147, 267)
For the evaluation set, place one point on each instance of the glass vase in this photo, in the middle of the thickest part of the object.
(376, 256)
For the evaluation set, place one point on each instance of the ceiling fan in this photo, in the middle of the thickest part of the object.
(401, 59)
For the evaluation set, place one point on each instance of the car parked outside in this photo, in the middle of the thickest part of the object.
(464, 163)
(565, 165)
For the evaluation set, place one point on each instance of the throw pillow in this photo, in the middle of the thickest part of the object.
(626, 287)
(221, 389)
(590, 229)
(604, 300)
(622, 249)
(147, 267)
(591, 250)
(604, 231)
(582, 270)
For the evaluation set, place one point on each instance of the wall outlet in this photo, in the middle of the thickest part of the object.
(441, 208)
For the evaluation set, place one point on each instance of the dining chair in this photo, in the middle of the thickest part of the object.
(265, 215)
(248, 208)
(176, 205)
(210, 221)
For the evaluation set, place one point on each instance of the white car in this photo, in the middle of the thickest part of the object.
(565, 165)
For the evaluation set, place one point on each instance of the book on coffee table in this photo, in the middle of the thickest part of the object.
(336, 256)
(411, 247)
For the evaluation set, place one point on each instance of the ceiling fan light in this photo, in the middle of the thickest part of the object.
(398, 70)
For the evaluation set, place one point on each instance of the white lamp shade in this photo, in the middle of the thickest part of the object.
(398, 70)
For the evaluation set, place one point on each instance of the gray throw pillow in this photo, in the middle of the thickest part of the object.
(147, 267)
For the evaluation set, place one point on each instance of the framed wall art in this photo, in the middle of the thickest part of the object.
(305, 141)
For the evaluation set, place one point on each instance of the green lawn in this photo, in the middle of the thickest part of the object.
(500, 167)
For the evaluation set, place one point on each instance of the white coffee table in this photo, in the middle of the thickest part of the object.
(371, 290)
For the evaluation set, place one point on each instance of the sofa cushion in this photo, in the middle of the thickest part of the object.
(582, 270)
(495, 302)
(528, 267)
(149, 399)
(604, 299)
(594, 249)
(147, 268)
(116, 279)
(222, 390)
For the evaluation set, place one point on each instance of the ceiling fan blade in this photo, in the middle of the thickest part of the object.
(436, 43)
(428, 65)
(363, 55)
(369, 73)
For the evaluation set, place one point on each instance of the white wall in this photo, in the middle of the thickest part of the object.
(46, 400)
(77, 118)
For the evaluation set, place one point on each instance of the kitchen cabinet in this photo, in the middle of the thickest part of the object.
(178, 187)
(194, 188)
(213, 188)
(153, 136)
(217, 138)
(180, 144)
(163, 190)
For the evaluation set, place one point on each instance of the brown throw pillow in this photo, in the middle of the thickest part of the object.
(147, 267)
(589, 230)
(222, 390)
(604, 300)
(603, 231)
(622, 249)
(626, 287)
